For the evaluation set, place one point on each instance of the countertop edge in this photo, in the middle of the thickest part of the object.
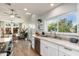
(60, 44)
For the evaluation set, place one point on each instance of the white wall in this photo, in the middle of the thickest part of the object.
(63, 8)
(32, 25)
(78, 18)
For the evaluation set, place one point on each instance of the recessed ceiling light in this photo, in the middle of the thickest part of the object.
(28, 13)
(12, 16)
(25, 9)
(51, 4)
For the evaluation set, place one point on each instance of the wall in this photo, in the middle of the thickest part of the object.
(78, 18)
(61, 9)
(32, 25)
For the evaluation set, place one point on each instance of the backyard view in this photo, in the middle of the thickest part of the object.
(66, 23)
(67, 26)
(52, 26)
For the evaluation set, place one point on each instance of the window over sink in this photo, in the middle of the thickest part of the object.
(66, 23)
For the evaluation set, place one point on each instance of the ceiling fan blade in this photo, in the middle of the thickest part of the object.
(12, 10)
(6, 13)
(16, 14)
(12, 13)
(9, 4)
(18, 17)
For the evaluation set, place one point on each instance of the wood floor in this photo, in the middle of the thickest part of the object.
(23, 48)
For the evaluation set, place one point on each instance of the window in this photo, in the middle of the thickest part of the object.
(52, 25)
(64, 23)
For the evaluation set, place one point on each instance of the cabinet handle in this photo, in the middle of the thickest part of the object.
(46, 47)
(68, 49)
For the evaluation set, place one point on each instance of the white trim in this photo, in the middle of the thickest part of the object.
(68, 33)
(65, 33)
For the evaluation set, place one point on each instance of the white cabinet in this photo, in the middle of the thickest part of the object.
(3, 54)
(62, 54)
(33, 41)
(43, 49)
(52, 51)
(67, 51)
(48, 49)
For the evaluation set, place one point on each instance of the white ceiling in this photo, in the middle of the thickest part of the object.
(34, 8)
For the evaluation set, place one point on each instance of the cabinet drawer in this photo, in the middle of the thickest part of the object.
(69, 51)
(50, 44)
(62, 54)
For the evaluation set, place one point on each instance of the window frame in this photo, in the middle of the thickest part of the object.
(68, 33)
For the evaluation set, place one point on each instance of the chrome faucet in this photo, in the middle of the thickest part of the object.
(54, 33)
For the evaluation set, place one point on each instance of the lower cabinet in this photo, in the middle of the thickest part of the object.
(52, 51)
(64, 51)
(33, 43)
(43, 49)
(48, 49)
(62, 54)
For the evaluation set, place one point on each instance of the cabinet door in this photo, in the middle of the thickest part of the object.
(52, 51)
(68, 51)
(33, 41)
(48, 49)
(43, 49)
(62, 54)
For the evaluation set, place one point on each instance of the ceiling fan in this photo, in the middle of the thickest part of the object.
(9, 4)
(12, 12)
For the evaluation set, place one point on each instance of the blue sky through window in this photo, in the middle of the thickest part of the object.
(70, 16)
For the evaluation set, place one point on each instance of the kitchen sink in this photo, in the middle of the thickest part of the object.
(52, 37)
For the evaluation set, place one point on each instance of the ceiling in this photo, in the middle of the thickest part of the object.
(33, 8)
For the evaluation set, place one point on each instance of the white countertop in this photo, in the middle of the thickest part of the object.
(3, 54)
(5, 39)
(64, 43)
